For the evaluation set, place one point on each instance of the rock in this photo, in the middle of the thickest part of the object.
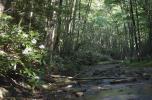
(70, 77)
(48, 86)
(68, 86)
(79, 94)
(146, 76)
(3, 80)
(118, 81)
(45, 86)
(96, 72)
(118, 66)
(106, 88)
(98, 88)
(3, 92)
(25, 85)
(59, 91)
(68, 97)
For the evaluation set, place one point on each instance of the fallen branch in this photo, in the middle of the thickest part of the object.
(123, 81)
(99, 78)
(17, 85)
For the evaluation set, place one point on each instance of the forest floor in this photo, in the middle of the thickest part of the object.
(106, 81)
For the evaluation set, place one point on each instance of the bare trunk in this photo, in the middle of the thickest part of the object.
(134, 28)
(2, 6)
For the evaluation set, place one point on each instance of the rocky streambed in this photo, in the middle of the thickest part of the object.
(103, 82)
(109, 82)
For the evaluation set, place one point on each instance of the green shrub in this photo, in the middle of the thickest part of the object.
(90, 57)
(19, 49)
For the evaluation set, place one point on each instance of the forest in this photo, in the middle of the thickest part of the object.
(76, 49)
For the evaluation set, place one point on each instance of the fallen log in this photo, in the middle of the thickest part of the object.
(59, 76)
(123, 81)
(99, 78)
(20, 86)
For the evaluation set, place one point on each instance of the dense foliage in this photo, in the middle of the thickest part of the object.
(40, 37)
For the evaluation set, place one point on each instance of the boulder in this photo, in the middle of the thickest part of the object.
(3, 92)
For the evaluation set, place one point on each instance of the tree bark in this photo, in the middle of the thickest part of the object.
(2, 6)
(134, 27)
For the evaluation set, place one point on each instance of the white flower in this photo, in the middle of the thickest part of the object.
(3, 34)
(42, 46)
(14, 66)
(25, 35)
(31, 14)
(34, 41)
(27, 51)
(2, 52)
(19, 31)
(37, 77)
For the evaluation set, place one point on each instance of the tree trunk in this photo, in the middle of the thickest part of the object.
(2, 6)
(148, 7)
(134, 28)
(57, 38)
